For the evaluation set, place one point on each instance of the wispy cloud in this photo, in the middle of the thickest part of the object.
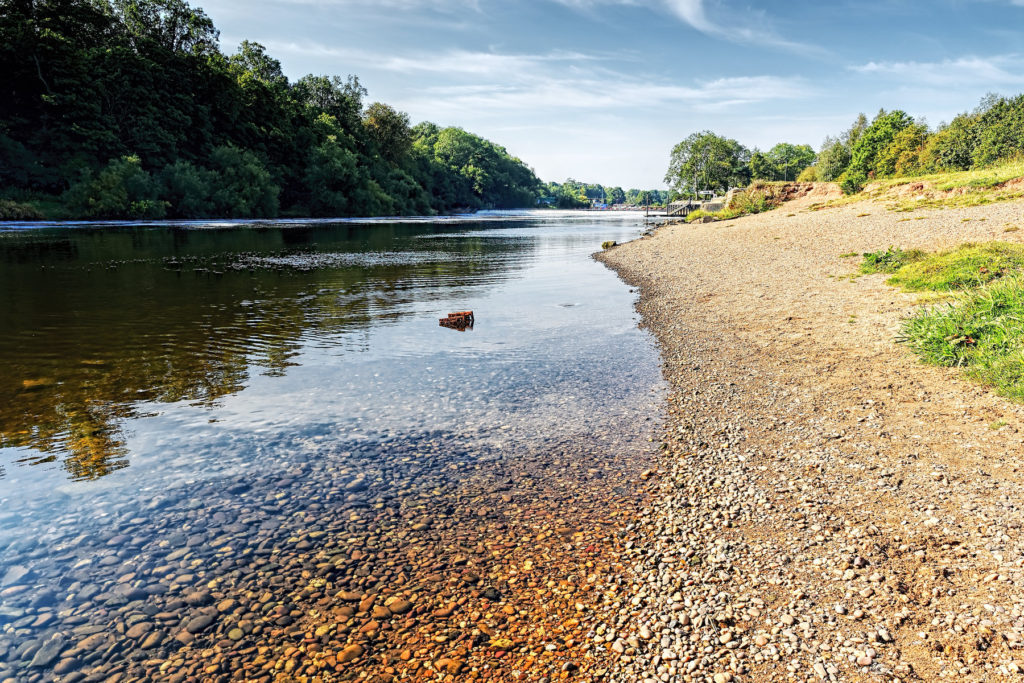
(562, 95)
(551, 81)
(740, 25)
(451, 63)
(970, 70)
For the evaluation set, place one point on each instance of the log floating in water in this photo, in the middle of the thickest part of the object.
(460, 320)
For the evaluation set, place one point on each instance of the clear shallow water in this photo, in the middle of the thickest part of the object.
(144, 365)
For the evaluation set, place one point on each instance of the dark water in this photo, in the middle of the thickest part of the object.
(145, 369)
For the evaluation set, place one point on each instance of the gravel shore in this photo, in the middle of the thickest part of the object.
(826, 507)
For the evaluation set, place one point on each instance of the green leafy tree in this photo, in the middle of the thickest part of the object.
(389, 129)
(123, 189)
(902, 156)
(706, 161)
(833, 159)
(788, 160)
(877, 136)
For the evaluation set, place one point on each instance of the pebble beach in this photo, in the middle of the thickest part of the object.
(825, 507)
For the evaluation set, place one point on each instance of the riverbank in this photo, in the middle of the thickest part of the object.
(829, 507)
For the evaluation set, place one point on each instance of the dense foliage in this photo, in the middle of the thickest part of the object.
(706, 161)
(128, 108)
(895, 145)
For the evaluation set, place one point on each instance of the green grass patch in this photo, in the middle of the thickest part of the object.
(967, 266)
(982, 331)
(888, 261)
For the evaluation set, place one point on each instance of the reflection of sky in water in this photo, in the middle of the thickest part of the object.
(555, 351)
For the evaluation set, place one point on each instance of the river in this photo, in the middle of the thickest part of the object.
(210, 431)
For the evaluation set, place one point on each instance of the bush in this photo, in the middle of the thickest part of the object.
(852, 181)
(808, 175)
(244, 188)
(888, 261)
(123, 189)
(17, 211)
(188, 190)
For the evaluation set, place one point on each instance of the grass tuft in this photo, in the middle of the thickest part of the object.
(982, 331)
(888, 261)
(967, 266)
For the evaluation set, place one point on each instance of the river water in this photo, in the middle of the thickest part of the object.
(179, 402)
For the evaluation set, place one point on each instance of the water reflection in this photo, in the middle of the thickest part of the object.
(100, 324)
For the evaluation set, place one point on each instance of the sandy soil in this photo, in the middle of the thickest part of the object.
(828, 508)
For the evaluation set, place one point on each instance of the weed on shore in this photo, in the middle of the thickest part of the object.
(981, 328)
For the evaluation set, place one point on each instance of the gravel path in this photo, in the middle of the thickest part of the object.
(828, 508)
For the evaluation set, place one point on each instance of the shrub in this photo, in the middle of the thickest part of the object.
(243, 188)
(808, 175)
(852, 181)
(888, 261)
(123, 189)
(17, 211)
(188, 190)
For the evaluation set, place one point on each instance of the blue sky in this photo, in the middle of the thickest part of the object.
(600, 90)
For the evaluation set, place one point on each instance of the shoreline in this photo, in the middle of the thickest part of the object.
(830, 509)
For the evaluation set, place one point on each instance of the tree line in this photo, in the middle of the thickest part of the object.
(573, 194)
(129, 109)
(892, 144)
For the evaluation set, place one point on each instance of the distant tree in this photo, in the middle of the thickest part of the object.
(877, 136)
(706, 161)
(833, 159)
(171, 24)
(788, 160)
(902, 156)
(389, 128)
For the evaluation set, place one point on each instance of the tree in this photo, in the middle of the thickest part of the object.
(704, 161)
(902, 156)
(833, 159)
(875, 138)
(171, 24)
(389, 128)
(788, 160)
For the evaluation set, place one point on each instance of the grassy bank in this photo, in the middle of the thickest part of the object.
(949, 189)
(981, 327)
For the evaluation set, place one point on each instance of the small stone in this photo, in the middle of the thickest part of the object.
(398, 605)
(140, 629)
(199, 623)
(15, 575)
(351, 652)
(48, 652)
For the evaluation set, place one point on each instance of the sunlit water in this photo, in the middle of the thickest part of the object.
(140, 363)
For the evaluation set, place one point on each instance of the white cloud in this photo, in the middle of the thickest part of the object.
(963, 71)
(742, 25)
(451, 63)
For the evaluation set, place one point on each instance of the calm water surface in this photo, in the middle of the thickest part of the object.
(141, 363)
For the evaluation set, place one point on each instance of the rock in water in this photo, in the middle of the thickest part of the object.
(48, 652)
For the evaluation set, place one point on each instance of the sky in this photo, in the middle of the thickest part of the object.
(600, 90)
